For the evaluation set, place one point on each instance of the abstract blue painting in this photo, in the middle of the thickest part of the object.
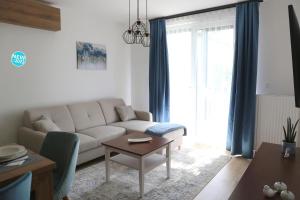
(91, 56)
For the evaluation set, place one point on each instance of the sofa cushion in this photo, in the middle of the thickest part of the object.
(86, 142)
(126, 113)
(109, 109)
(60, 115)
(45, 125)
(86, 115)
(134, 125)
(104, 133)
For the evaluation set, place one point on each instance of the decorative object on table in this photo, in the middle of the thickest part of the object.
(138, 140)
(280, 186)
(15, 162)
(11, 152)
(138, 32)
(289, 144)
(287, 195)
(268, 191)
(91, 56)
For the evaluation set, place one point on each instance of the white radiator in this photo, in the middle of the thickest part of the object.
(271, 115)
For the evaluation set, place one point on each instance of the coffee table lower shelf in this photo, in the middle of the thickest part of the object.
(150, 162)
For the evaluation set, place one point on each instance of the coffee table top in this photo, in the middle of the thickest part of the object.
(267, 167)
(140, 149)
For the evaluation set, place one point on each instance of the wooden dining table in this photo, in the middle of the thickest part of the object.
(42, 175)
(268, 167)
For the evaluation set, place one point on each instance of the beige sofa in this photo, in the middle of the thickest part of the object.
(94, 122)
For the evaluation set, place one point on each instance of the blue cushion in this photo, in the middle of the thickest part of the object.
(164, 128)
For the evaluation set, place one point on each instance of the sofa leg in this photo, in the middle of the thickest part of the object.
(65, 198)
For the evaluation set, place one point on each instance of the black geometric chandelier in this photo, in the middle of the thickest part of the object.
(138, 32)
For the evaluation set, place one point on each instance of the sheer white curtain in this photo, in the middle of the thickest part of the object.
(201, 51)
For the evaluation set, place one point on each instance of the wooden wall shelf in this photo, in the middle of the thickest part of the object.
(30, 13)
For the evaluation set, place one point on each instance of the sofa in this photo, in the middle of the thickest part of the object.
(94, 122)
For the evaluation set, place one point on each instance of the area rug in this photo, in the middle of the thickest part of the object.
(191, 170)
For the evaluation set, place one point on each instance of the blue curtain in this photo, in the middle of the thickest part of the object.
(159, 91)
(241, 122)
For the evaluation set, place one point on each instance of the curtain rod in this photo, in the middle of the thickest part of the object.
(204, 10)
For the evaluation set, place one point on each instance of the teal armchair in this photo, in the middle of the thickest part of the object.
(62, 148)
(19, 189)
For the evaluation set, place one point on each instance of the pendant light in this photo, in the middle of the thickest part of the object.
(138, 33)
(128, 35)
(139, 28)
(146, 37)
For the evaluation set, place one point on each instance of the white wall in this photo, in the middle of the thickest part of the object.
(271, 114)
(275, 59)
(50, 76)
(274, 62)
(140, 77)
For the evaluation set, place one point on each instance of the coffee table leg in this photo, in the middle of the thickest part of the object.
(168, 155)
(141, 176)
(107, 167)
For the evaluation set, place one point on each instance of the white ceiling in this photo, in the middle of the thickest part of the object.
(117, 10)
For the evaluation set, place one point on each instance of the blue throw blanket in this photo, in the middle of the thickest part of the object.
(164, 128)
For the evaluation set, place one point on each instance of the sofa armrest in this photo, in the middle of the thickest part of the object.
(143, 115)
(31, 139)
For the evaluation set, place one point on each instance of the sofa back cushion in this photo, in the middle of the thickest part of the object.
(86, 115)
(109, 109)
(59, 115)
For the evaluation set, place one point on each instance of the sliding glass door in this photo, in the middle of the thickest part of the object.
(182, 81)
(215, 55)
(201, 62)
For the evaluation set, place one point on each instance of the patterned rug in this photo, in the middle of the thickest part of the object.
(191, 170)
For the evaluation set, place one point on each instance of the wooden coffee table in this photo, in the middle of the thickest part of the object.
(267, 167)
(140, 156)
